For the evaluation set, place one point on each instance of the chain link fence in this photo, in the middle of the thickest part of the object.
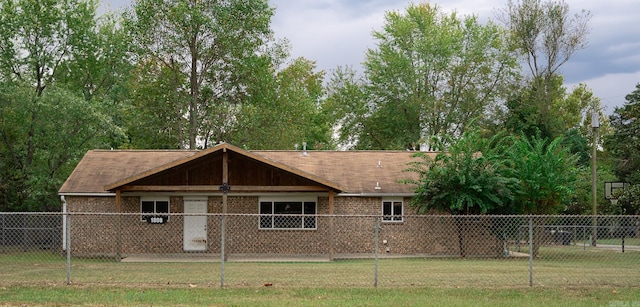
(249, 250)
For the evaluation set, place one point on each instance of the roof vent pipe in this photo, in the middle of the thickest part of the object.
(304, 149)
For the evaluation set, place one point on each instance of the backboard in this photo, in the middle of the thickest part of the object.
(611, 188)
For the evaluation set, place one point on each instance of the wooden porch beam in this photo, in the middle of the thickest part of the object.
(216, 188)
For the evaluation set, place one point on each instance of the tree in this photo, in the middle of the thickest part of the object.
(346, 103)
(430, 75)
(44, 126)
(546, 172)
(287, 112)
(628, 203)
(38, 36)
(545, 33)
(101, 62)
(100, 70)
(569, 111)
(623, 144)
(156, 101)
(466, 177)
(546, 36)
(207, 43)
(68, 125)
(527, 114)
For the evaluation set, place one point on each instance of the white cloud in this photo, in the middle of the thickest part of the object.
(338, 32)
(612, 88)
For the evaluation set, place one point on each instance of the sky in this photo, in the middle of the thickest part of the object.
(338, 33)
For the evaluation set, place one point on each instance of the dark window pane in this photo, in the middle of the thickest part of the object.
(266, 222)
(266, 207)
(309, 222)
(386, 211)
(295, 222)
(287, 207)
(397, 211)
(309, 208)
(162, 207)
(280, 221)
(397, 208)
(287, 221)
(148, 207)
(288, 214)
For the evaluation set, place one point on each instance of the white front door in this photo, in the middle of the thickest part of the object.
(195, 226)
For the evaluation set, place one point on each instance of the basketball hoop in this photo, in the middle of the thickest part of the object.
(613, 188)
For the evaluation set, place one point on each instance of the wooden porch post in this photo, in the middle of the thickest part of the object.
(118, 225)
(225, 179)
(224, 188)
(331, 225)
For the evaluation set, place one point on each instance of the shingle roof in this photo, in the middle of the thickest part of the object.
(357, 172)
(101, 167)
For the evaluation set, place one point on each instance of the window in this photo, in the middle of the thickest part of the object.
(392, 210)
(154, 210)
(287, 213)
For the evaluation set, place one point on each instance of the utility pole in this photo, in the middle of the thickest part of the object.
(595, 124)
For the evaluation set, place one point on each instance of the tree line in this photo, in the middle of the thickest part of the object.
(186, 74)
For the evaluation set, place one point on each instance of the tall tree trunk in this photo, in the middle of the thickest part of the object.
(461, 221)
(195, 90)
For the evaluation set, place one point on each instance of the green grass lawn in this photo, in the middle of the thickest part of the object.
(59, 295)
(563, 275)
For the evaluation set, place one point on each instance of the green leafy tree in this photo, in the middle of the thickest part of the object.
(68, 125)
(628, 203)
(100, 70)
(546, 172)
(567, 111)
(101, 63)
(346, 103)
(287, 113)
(430, 75)
(209, 43)
(156, 100)
(546, 36)
(622, 144)
(464, 179)
(582, 200)
(39, 36)
(45, 125)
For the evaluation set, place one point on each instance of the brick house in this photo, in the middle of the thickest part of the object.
(288, 197)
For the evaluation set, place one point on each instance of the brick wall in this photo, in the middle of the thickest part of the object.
(353, 231)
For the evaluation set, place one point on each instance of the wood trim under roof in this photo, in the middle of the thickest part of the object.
(221, 147)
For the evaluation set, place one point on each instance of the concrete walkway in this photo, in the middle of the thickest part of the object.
(205, 257)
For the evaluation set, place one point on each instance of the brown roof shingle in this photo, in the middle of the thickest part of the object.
(101, 167)
(357, 172)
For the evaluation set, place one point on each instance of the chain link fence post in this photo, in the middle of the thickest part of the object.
(67, 243)
(4, 233)
(376, 238)
(222, 249)
(531, 251)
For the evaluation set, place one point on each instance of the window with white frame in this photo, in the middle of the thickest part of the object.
(392, 210)
(288, 213)
(154, 209)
